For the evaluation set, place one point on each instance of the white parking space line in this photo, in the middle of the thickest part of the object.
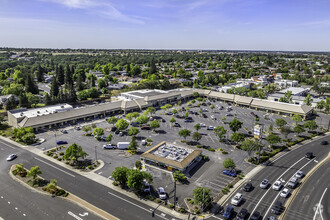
(220, 181)
(54, 166)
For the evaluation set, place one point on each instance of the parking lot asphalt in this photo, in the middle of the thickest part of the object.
(207, 175)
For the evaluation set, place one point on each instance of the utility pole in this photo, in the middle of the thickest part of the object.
(174, 194)
(95, 153)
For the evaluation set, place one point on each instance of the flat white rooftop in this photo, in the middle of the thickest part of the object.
(294, 90)
(43, 111)
(172, 152)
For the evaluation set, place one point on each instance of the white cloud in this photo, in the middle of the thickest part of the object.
(101, 8)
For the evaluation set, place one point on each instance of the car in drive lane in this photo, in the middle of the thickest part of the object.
(264, 184)
(243, 214)
(11, 157)
(248, 187)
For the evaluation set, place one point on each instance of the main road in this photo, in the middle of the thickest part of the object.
(313, 199)
(19, 202)
(118, 205)
(283, 168)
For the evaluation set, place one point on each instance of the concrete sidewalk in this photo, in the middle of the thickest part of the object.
(99, 179)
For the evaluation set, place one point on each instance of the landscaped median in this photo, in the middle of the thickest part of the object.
(31, 177)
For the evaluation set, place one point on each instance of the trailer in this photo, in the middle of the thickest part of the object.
(122, 145)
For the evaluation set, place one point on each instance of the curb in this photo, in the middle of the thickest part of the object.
(295, 192)
(96, 178)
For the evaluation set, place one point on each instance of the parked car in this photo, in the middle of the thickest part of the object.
(213, 117)
(146, 187)
(204, 115)
(169, 113)
(162, 193)
(135, 124)
(255, 215)
(228, 212)
(277, 185)
(117, 132)
(61, 142)
(229, 115)
(145, 128)
(237, 199)
(243, 214)
(109, 146)
(144, 142)
(309, 155)
(248, 187)
(11, 157)
(264, 184)
(284, 193)
(210, 128)
(277, 207)
(113, 129)
(77, 128)
(202, 125)
(300, 174)
(230, 172)
(252, 113)
(177, 125)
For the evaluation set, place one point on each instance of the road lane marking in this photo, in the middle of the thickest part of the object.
(278, 194)
(277, 178)
(132, 203)
(318, 207)
(54, 166)
(74, 215)
(7, 145)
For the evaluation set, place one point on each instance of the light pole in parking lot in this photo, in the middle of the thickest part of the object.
(95, 153)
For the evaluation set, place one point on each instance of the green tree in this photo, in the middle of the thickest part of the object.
(298, 129)
(132, 131)
(280, 122)
(184, 133)
(237, 137)
(166, 107)
(178, 176)
(196, 136)
(120, 175)
(40, 73)
(297, 118)
(98, 132)
(285, 130)
(220, 131)
(186, 115)
(30, 85)
(202, 196)
(270, 129)
(133, 145)
(308, 100)
(310, 125)
(287, 97)
(142, 119)
(320, 105)
(235, 125)
(172, 120)
(212, 107)
(121, 124)
(229, 163)
(87, 128)
(101, 83)
(54, 88)
(112, 120)
(108, 138)
(197, 127)
(154, 124)
(93, 93)
(136, 179)
(150, 111)
(174, 111)
(82, 95)
(29, 138)
(34, 172)
(74, 152)
(273, 139)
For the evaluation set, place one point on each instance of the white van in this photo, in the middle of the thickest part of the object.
(143, 142)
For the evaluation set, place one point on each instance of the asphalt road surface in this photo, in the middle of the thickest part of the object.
(283, 168)
(116, 204)
(19, 202)
(312, 200)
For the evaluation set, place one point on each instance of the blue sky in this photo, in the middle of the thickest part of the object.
(167, 24)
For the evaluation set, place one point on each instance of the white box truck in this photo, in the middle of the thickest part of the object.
(122, 145)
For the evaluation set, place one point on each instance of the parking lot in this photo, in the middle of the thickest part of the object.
(208, 174)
